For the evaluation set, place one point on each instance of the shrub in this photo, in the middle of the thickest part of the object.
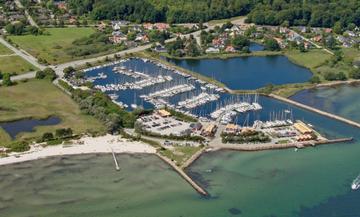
(47, 136)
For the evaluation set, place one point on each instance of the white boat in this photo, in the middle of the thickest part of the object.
(356, 183)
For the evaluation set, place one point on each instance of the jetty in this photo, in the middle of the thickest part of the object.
(193, 158)
(262, 147)
(184, 175)
(309, 108)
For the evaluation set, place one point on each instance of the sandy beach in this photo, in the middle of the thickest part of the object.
(86, 145)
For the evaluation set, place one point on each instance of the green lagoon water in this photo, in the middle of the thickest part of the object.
(312, 182)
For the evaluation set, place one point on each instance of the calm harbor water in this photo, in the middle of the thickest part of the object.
(13, 128)
(312, 182)
(248, 73)
(270, 107)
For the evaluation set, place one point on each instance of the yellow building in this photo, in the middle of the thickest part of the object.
(209, 130)
(302, 128)
(232, 128)
(163, 113)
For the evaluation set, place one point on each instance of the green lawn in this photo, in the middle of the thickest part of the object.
(311, 59)
(52, 46)
(41, 99)
(15, 64)
(351, 54)
(4, 50)
(180, 154)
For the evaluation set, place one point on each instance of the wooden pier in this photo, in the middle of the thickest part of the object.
(184, 175)
(309, 108)
(115, 160)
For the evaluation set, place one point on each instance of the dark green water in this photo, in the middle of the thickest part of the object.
(312, 182)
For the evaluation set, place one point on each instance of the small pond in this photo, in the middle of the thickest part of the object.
(13, 128)
(256, 47)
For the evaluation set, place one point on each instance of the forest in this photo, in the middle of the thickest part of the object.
(320, 13)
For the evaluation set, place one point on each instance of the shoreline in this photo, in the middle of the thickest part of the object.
(86, 145)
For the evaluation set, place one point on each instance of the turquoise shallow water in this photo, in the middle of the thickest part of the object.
(312, 182)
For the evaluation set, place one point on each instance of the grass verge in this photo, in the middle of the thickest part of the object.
(15, 65)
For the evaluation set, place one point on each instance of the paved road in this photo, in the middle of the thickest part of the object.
(22, 54)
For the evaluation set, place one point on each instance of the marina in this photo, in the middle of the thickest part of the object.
(198, 100)
(137, 82)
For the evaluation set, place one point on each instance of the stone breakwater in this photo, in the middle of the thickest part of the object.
(327, 114)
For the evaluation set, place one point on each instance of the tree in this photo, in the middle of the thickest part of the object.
(315, 79)
(47, 73)
(239, 42)
(271, 44)
(355, 74)
(47, 137)
(63, 132)
(6, 80)
(332, 76)
(337, 28)
(330, 42)
(68, 71)
(338, 54)
(302, 47)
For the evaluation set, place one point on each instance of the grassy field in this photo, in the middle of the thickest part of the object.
(4, 137)
(15, 64)
(41, 99)
(52, 46)
(311, 59)
(4, 50)
(180, 154)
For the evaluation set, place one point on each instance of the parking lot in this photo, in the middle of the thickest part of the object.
(165, 125)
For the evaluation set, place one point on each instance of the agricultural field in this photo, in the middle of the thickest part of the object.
(15, 65)
(53, 44)
(40, 99)
(4, 50)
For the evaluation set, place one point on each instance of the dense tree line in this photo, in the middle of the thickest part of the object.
(324, 13)
(174, 11)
